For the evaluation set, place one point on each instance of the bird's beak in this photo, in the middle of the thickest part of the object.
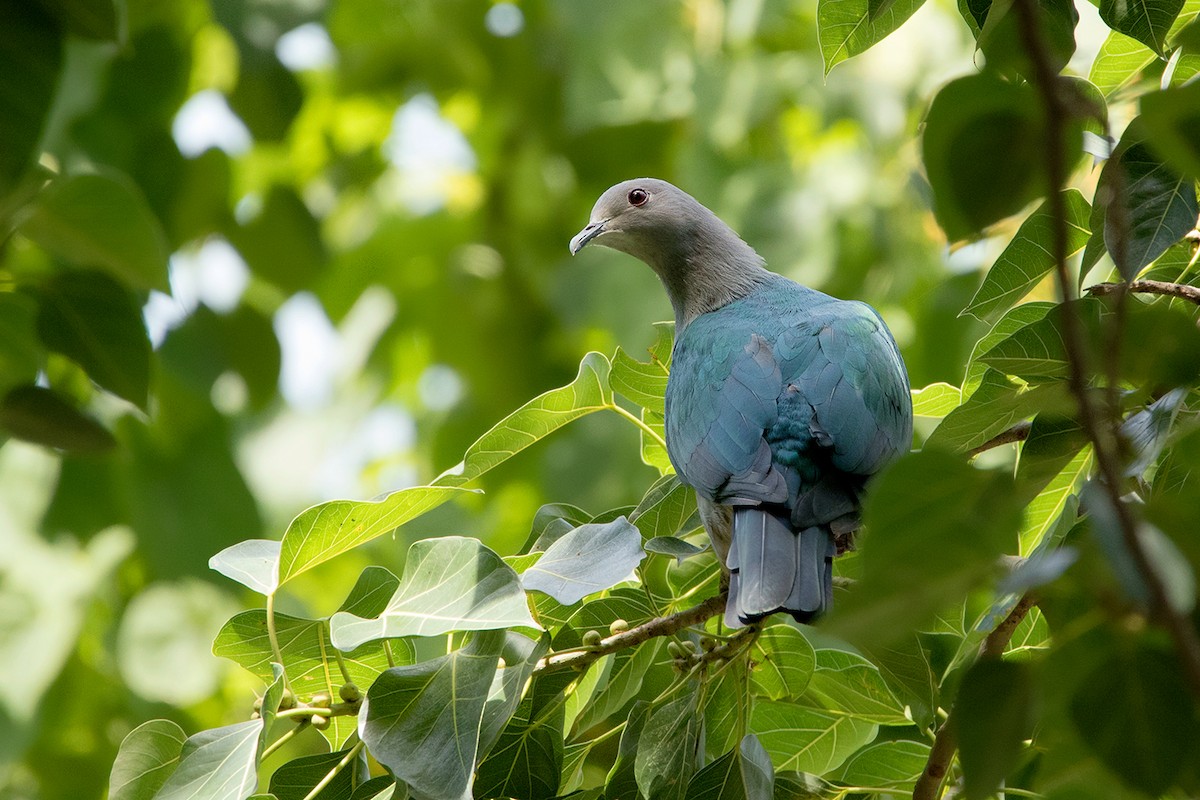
(592, 230)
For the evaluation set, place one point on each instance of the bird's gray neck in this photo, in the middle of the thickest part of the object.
(707, 269)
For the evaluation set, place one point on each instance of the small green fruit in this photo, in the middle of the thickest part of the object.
(287, 700)
(350, 693)
(618, 626)
(591, 639)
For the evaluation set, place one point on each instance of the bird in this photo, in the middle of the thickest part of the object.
(781, 401)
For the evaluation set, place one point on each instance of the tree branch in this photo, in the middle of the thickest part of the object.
(945, 744)
(660, 626)
(1180, 290)
(1058, 98)
(1017, 433)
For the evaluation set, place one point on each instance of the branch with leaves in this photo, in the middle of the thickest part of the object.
(1182, 291)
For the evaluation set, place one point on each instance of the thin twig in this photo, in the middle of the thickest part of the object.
(1100, 432)
(1017, 433)
(1180, 290)
(945, 743)
(660, 626)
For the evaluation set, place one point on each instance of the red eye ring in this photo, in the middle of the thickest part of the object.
(638, 197)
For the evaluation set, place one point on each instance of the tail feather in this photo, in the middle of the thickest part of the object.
(776, 568)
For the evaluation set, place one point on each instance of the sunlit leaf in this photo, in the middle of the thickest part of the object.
(452, 583)
(846, 28)
(895, 764)
(253, 563)
(589, 559)
(222, 762)
(852, 685)
(936, 400)
(330, 529)
(805, 739)
(535, 420)
(995, 405)
(665, 507)
(148, 756)
(645, 383)
(422, 721)
(1029, 257)
(1147, 21)
(1119, 61)
(1012, 321)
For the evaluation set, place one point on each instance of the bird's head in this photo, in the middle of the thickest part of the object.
(644, 217)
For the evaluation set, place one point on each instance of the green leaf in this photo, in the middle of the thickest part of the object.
(20, 354)
(653, 453)
(587, 560)
(621, 781)
(1154, 208)
(1004, 47)
(330, 529)
(726, 706)
(850, 684)
(90, 318)
(1012, 321)
(422, 722)
(449, 584)
(92, 19)
(551, 522)
(665, 508)
(916, 559)
(253, 563)
(846, 28)
(645, 383)
(666, 754)
(993, 713)
(805, 739)
(1129, 710)
(535, 420)
(620, 679)
(148, 756)
(45, 417)
(1119, 61)
(936, 400)
(906, 668)
(996, 405)
(1043, 512)
(30, 61)
(671, 546)
(742, 774)
(520, 656)
(380, 788)
(982, 131)
(222, 762)
(283, 243)
(1029, 257)
(1147, 21)
(1038, 350)
(101, 221)
(784, 662)
(527, 759)
(308, 655)
(297, 778)
(371, 592)
(1172, 121)
(886, 765)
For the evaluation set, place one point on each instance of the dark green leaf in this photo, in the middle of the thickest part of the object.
(666, 754)
(994, 715)
(906, 667)
(147, 757)
(527, 759)
(742, 774)
(916, 559)
(1150, 207)
(1029, 257)
(551, 522)
(381, 788)
(850, 684)
(1172, 121)
(520, 655)
(1147, 21)
(31, 55)
(981, 131)
(671, 546)
(371, 592)
(92, 319)
(621, 781)
(993, 407)
(1147, 430)
(589, 559)
(283, 243)
(45, 417)
(1130, 711)
(1005, 49)
(91, 19)
(449, 584)
(101, 221)
(422, 722)
(295, 779)
(267, 96)
(846, 28)
(20, 353)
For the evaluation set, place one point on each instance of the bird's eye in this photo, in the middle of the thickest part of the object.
(638, 197)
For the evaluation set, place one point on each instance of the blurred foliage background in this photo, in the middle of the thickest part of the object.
(335, 252)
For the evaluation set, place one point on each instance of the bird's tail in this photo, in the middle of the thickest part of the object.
(773, 567)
